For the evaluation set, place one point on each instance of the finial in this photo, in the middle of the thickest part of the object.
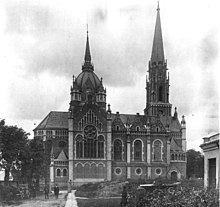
(158, 6)
(87, 28)
(175, 109)
(73, 78)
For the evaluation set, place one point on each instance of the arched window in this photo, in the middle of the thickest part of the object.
(58, 172)
(90, 143)
(160, 93)
(175, 156)
(157, 150)
(137, 150)
(48, 146)
(117, 128)
(172, 157)
(64, 172)
(101, 147)
(62, 144)
(79, 146)
(117, 149)
(90, 99)
(137, 128)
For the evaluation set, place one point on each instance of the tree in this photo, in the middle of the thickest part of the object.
(36, 160)
(13, 145)
(195, 164)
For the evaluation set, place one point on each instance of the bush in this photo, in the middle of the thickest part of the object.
(7, 193)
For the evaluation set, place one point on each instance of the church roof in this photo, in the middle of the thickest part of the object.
(174, 146)
(174, 124)
(54, 120)
(125, 117)
(62, 156)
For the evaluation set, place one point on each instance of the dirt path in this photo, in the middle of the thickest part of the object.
(40, 201)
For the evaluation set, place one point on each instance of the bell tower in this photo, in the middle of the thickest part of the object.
(157, 82)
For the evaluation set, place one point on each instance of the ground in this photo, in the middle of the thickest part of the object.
(40, 201)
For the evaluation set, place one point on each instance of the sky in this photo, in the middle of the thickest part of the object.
(42, 45)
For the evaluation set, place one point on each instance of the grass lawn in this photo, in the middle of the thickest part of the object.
(99, 202)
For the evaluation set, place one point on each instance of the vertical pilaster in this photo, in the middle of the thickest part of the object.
(51, 183)
(128, 158)
(109, 146)
(71, 157)
(168, 152)
(183, 130)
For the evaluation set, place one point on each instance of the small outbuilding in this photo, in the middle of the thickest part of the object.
(211, 151)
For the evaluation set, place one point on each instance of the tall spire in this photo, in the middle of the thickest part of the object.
(157, 50)
(87, 58)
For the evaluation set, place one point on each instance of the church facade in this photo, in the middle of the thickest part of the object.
(89, 143)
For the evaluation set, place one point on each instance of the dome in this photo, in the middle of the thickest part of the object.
(88, 77)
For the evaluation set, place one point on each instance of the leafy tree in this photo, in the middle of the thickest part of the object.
(37, 160)
(13, 145)
(195, 164)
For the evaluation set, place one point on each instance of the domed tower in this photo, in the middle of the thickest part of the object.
(89, 141)
(87, 88)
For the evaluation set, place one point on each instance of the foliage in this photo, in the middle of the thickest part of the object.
(13, 144)
(35, 164)
(181, 195)
(7, 193)
(195, 164)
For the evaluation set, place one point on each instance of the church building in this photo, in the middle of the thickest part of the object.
(90, 143)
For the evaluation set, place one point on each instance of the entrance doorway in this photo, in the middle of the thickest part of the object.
(174, 176)
(212, 172)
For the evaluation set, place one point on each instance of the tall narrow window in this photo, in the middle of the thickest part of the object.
(160, 93)
(90, 143)
(137, 150)
(101, 147)
(58, 172)
(157, 150)
(64, 172)
(79, 147)
(117, 149)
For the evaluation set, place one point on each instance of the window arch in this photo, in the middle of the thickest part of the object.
(157, 150)
(101, 141)
(79, 146)
(137, 150)
(137, 128)
(90, 145)
(117, 149)
(64, 172)
(161, 93)
(58, 172)
(62, 144)
(172, 157)
(175, 156)
(49, 145)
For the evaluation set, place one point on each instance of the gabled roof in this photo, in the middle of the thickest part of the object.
(174, 124)
(126, 117)
(62, 156)
(174, 146)
(54, 120)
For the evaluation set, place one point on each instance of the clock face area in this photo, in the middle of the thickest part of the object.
(90, 132)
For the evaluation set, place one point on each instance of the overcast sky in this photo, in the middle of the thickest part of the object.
(42, 44)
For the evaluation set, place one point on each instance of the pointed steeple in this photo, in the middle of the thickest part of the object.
(157, 50)
(87, 59)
